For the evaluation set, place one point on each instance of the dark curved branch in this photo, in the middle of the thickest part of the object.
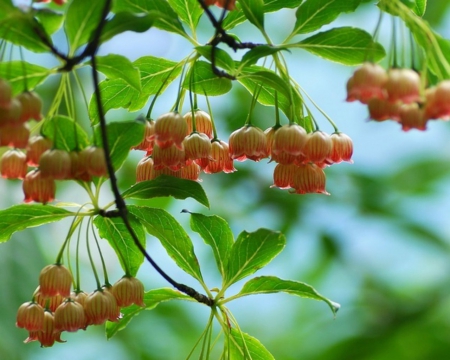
(121, 209)
(221, 36)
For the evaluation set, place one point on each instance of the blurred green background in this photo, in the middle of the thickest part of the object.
(379, 245)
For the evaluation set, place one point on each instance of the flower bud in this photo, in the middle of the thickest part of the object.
(342, 148)
(170, 129)
(403, 85)
(12, 114)
(248, 142)
(36, 146)
(5, 94)
(221, 159)
(94, 157)
(317, 147)
(69, 316)
(191, 172)
(127, 291)
(55, 280)
(203, 123)
(289, 139)
(55, 164)
(149, 137)
(30, 316)
(99, 306)
(367, 82)
(50, 303)
(283, 176)
(171, 157)
(13, 164)
(37, 189)
(49, 335)
(31, 106)
(412, 117)
(309, 178)
(144, 169)
(196, 146)
(15, 136)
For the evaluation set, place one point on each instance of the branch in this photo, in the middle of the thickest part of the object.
(221, 36)
(121, 210)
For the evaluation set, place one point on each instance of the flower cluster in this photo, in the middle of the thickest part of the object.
(398, 95)
(54, 308)
(174, 148)
(36, 152)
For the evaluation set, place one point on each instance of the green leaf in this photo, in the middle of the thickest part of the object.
(117, 235)
(254, 12)
(251, 252)
(221, 57)
(17, 71)
(202, 80)
(266, 82)
(237, 16)
(60, 129)
(258, 52)
(121, 137)
(172, 236)
(50, 20)
(115, 94)
(420, 7)
(22, 30)
(275, 5)
(119, 67)
(20, 217)
(7, 9)
(345, 45)
(313, 14)
(216, 232)
(242, 346)
(189, 11)
(166, 18)
(152, 299)
(167, 186)
(82, 18)
(272, 284)
(126, 21)
(156, 75)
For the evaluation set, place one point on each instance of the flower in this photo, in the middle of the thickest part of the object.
(69, 316)
(54, 280)
(289, 139)
(170, 129)
(403, 85)
(367, 82)
(196, 146)
(144, 169)
(149, 137)
(171, 157)
(309, 178)
(127, 291)
(412, 117)
(99, 306)
(248, 142)
(36, 146)
(317, 147)
(30, 316)
(49, 335)
(55, 164)
(13, 164)
(203, 123)
(35, 188)
(342, 148)
(221, 159)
